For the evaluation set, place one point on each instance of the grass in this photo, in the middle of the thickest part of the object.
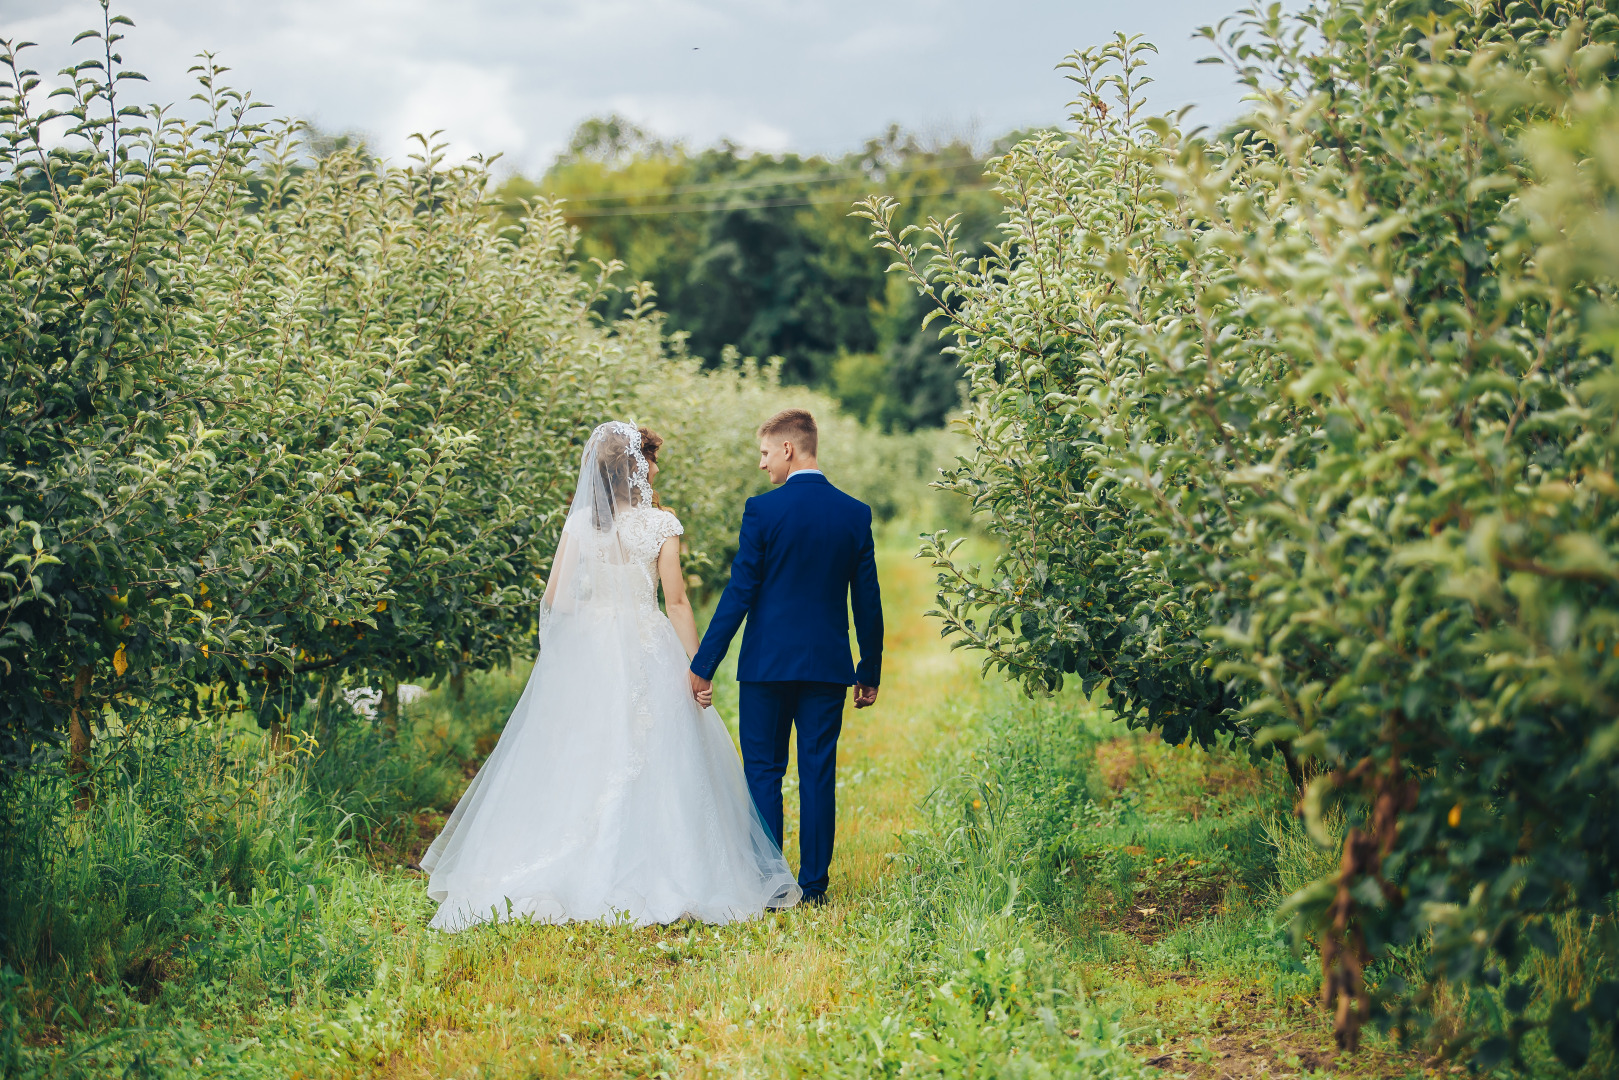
(1145, 879)
(1021, 889)
(537, 1000)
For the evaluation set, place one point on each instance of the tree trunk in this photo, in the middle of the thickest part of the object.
(1297, 771)
(388, 707)
(323, 708)
(78, 741)
(458, 681)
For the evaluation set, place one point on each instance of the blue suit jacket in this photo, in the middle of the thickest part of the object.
(806, 552)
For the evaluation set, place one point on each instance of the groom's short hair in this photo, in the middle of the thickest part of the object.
(796, 426)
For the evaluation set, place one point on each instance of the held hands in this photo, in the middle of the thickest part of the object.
(702, 692)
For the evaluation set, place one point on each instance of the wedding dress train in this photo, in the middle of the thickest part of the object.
(611, 794)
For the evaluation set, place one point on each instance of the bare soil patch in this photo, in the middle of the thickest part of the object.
(1246, 1040)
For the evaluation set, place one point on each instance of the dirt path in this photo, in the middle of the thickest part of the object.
(527, 1001)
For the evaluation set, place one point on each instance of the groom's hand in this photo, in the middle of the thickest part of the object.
(702, 690)
(864, 695)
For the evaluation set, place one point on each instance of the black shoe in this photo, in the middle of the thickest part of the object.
(815, 899)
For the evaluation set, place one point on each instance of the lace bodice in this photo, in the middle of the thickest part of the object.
(641, 534)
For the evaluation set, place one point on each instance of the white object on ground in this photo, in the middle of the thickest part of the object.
(365, 699)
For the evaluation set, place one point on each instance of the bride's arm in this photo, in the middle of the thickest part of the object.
(561, 567)
(674, 595)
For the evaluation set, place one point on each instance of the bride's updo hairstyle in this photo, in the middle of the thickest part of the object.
(622, 453)
(650, 441)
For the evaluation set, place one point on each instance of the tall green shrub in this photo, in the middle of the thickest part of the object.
(1340, 385)
(490, 339)
(266, 421)
(152, 518)
(1045, 330)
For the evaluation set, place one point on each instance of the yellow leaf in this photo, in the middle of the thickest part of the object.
(202, 588)
(382, 605)
(120, 662)
(1455, 818)
(1602, 481)
(205, 650)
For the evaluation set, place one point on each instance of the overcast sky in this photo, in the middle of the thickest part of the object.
(516, 76)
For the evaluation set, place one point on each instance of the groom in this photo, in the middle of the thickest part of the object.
(805, 554)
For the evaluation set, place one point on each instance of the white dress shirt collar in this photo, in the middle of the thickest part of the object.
(804, 472)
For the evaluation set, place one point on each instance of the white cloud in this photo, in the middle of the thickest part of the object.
(476, 106)
(515, 76)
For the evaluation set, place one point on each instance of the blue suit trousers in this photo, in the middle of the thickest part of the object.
(769, 710)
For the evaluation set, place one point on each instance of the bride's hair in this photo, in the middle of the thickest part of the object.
(615, 468)
(650, 441)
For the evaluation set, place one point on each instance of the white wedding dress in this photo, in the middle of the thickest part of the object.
(611, 795)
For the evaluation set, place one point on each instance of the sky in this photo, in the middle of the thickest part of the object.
(514, 77)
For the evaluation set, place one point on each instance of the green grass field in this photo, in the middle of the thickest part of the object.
(1021, 888)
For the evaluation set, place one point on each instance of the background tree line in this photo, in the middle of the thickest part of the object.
(758, 252)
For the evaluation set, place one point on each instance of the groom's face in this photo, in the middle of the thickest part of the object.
(775, 458)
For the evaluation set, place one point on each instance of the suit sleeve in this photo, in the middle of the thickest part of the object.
(867, 599)
(746, 572)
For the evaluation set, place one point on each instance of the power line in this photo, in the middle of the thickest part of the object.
(709, 208)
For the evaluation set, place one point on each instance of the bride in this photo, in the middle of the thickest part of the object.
(612, 794)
